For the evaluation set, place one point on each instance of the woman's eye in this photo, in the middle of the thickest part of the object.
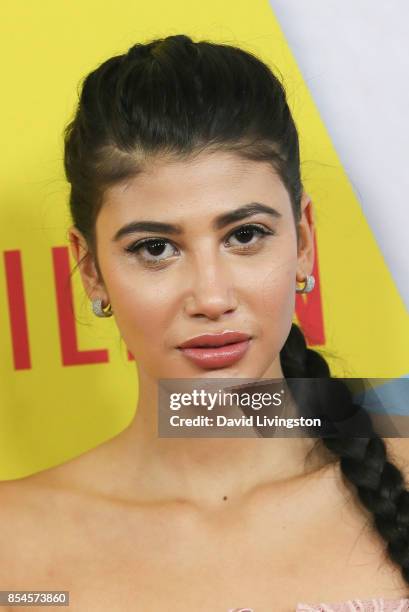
(246, 233)
(153, 251)
(152, 248)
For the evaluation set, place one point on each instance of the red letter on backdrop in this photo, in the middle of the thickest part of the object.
(65, 305)
(308, 308)
(17, 310)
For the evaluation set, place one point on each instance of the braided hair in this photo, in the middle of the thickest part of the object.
(363, 461)
(176, 97)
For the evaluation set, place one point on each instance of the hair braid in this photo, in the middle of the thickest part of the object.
(364, 462)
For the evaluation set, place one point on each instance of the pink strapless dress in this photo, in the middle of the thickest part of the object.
(358, 605)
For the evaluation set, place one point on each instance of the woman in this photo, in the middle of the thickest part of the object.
(190, 219)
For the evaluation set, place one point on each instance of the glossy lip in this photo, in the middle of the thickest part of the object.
(215, 340)
(213, 357)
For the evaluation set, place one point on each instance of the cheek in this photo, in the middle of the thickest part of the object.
(272, 281)
(277, 302)
(278, 291)
(140, 311)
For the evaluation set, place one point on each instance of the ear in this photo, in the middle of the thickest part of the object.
(306, 231)
(91, 279)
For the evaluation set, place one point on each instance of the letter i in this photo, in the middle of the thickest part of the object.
(17, 310)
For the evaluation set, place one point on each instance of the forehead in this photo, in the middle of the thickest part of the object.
(205, 185)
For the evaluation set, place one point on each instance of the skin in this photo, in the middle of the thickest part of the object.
(206, 286)
(173, 519)
(205, 282)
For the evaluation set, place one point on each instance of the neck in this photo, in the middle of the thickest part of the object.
(205, 471)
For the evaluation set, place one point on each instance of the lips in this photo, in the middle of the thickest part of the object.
(214, 351)
(215, 340)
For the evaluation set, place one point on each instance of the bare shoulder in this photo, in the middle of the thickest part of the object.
(20, 529)
(14, 494)
(39, 536)
(32, 504)
(22, 502)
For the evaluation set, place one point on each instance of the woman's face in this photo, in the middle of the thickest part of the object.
(215, 268)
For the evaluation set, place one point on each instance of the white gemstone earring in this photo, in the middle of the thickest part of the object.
(309, 284)
(99, 310)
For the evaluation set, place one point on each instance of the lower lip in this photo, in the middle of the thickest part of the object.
(217, 357)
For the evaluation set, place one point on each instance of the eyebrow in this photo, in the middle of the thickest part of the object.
(218, 223)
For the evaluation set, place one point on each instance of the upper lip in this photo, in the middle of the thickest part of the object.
(220, 339)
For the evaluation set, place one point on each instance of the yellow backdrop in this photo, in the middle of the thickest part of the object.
(67, 384)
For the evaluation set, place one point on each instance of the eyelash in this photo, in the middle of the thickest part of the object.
(136, 247)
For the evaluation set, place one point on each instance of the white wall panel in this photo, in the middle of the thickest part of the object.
(354, 57)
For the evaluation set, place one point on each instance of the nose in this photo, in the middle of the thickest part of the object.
(210, 289)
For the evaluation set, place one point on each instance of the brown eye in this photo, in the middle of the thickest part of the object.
(154, 251)
(153, 247)
(246, 233)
